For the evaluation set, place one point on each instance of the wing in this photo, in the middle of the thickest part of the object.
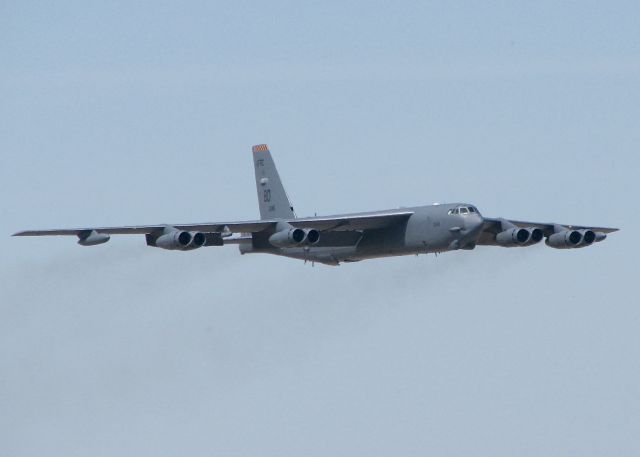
(493, 226)
(359, 221)
(212, 227)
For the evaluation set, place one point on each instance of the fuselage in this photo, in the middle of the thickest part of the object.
(432, 228)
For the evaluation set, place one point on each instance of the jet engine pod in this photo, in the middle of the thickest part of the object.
(198, 239)
(536, 235)
(313, 236)
(566, 239)
(588, 237)
(513, 237)
(288, 238)
(176, 240)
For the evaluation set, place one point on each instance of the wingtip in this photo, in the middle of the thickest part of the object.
(23, 233)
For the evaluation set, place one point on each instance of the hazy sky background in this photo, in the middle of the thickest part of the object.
(119, 113)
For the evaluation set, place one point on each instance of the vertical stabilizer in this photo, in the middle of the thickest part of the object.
(272, 198)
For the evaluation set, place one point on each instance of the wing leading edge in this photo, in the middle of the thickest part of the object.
(348, 222)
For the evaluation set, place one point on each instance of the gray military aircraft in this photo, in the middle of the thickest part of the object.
(346, 237)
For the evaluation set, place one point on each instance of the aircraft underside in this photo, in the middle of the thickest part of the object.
(371, 244)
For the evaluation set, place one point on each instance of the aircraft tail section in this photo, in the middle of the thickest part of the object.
(272, 198)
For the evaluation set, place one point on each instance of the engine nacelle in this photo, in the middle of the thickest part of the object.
(565, 239)
(313, 236)
(198, 239)
(536, 235)
(588, 237)
(176, 240)
(514, 237)
(289, 238)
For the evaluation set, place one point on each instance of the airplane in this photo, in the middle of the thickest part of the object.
(345, 238)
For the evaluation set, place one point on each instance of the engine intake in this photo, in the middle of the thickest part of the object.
(198, 239)
(313, 236)
(288, 238)
(588, 237)
(536, 235)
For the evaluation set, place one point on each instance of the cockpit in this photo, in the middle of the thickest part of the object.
(464, 210)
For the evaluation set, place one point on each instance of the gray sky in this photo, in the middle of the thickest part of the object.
(123, 114)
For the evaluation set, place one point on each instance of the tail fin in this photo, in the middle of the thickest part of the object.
(272, 198)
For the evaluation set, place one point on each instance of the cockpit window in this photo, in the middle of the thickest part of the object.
(463, 210)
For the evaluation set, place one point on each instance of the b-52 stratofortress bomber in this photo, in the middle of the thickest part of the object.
(332, 240)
